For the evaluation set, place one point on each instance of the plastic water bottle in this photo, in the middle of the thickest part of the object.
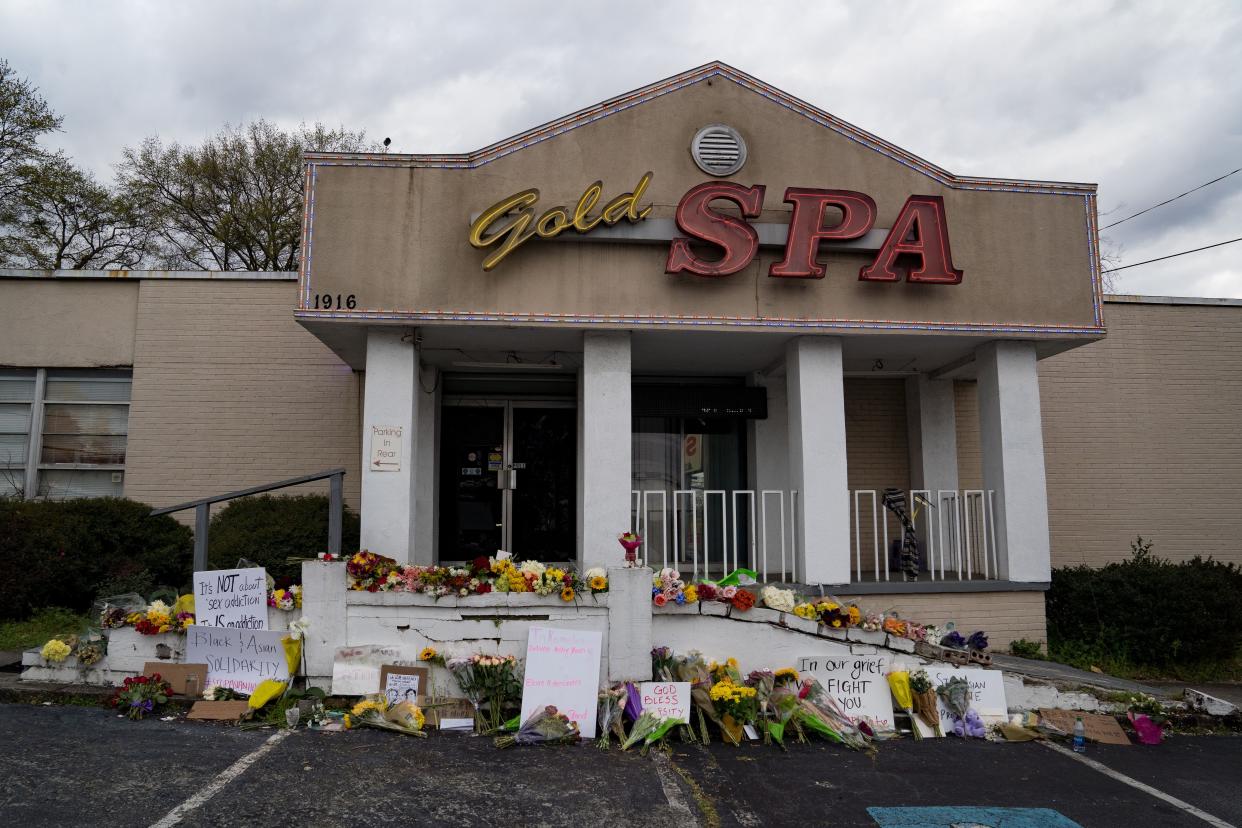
(1080, 736)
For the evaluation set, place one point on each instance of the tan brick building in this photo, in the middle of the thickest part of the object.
(738, 410)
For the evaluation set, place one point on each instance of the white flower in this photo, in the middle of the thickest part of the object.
(781, 600)
(532, 568)
(160, 607)
(596, 572)
(298, 628)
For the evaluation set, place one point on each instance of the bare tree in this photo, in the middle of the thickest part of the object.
(233, 203)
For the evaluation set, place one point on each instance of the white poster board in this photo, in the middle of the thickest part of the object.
(356, 670)
(562, 669)
(666, 699)
(231, 598)
(987, 693)
(386, 448)
(236, 658)
(857, 683)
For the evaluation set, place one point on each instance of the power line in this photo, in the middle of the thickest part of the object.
(1171, 200)
(1172, 255)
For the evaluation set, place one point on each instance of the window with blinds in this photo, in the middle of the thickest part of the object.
(63, 432)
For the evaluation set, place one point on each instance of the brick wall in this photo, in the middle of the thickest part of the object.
(1004, 616)
(230, 392)
(1141, 436)
(877, 449)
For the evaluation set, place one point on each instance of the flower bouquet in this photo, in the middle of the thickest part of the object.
(899, 684)
(742, 599)
(783, 706)
(956, 695)
(91, 651)
(490, 680)
(367, 571)
(596, 580)
(737, 706)
(374, 711)
(693, 669)
(140, 695)
(630, 541)
(764, 682)
(546, 726)
(924, 698)
(56, 651)
(781, 600)
(611, 703)
(820, 713)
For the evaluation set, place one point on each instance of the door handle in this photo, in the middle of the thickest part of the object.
(512, 478)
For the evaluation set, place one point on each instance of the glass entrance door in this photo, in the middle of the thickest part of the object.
(508, 479)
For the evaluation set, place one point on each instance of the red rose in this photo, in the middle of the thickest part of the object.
(743, 600)
(484, 589)
(707, 592)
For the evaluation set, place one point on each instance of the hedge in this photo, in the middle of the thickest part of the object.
(65, 553)
(267, 530)
(1148, 611)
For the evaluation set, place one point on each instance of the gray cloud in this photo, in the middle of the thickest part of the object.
(1143, 98)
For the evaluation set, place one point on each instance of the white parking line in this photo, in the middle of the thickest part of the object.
(225, 776)
(672, 793)
(1134, 783)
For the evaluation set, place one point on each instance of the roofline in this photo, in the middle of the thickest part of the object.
(707, 71)
(1133, 299)
(138, 275)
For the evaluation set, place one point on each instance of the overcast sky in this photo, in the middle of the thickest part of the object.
(1144, 99)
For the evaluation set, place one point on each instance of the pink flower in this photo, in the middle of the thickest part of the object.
(728, 592)
(659, 599)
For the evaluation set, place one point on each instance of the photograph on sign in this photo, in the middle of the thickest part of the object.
(857, 683)
(403, 683)
(563, 669)
(238, 659)
(386, 448)
(666, 699)
(231, 598)
(356, 670)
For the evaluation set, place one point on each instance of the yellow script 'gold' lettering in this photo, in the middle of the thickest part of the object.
(515, 223)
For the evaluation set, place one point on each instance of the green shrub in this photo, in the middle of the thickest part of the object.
(1147, 612)
(1024, 648)
(59, 553)
(268, 530)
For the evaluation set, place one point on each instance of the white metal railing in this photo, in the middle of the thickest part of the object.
(706, 533)
(957, 538)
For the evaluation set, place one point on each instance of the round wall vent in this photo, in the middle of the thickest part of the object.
(718, 150)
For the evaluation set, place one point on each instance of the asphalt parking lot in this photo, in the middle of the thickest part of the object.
(85, 766)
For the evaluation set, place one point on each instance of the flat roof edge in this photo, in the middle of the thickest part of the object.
(134, 275)
(1133, 299)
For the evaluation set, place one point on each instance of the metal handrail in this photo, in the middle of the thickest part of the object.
(202, 510)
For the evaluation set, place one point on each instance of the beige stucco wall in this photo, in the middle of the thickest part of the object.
(67, 323)
(1143, 436)
(230, 392)
(1004, 616)
(396, 236)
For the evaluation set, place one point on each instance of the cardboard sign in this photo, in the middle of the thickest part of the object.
(857, 683)
(987, 693)
(356, 670)
(238, 659)
(403, 683)
(218, 711)
(1095, 727)
(562, 669)
(667, 699)
(186, 679)
(231, 598)
(386, 448)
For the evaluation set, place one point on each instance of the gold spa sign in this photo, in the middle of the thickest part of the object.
(511, 222)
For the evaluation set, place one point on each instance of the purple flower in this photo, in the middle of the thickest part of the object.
(954, 640)
(633, 701)
(681, 598)
(655, 591)
(978, 640)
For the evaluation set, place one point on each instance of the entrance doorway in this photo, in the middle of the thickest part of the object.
(508, 479)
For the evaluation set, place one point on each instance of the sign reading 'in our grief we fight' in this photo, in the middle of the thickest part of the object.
(231, 598)
(857, 683)
(562, 669)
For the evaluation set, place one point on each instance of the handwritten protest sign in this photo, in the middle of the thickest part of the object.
(231, 598)
(562, 669)
(356, 670)
(666, 699)
(857, 683)
(987, 692)
(238, 659)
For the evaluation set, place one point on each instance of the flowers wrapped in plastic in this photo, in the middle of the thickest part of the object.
(819, 713)
(737, 706)
(546, 726)
(956, 695)
(781, 600)
(140, 695)
(490, 680)
(55, 651)
(374, 711)
(924, 698)
(611, 704)
(899, 684)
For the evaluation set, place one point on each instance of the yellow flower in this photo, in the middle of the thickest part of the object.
(367, 704)
(732, 662)
(427, 654)
(787, 672)
(567, 594)
(692, 594)
(600, 583)
(55, 650)
(855, 614)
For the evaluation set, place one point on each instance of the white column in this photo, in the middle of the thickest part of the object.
(389, 402)
(604, 416)
(1013, 457)
(931, 425)
(817, 463)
